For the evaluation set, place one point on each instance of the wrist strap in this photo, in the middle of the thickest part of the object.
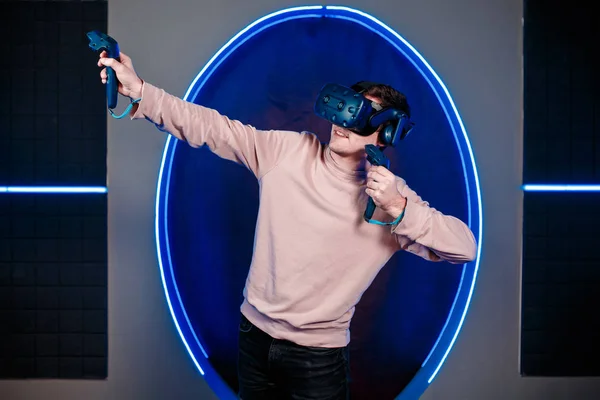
(394, 222)
(126, 110)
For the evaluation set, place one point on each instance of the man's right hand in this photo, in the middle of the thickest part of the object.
(130, 84)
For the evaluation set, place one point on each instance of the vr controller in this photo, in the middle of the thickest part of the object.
(100, 41)
(375, 157)
(349, 109)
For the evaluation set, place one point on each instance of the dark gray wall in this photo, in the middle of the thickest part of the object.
(53, 248)
(561, 278)
(476, 48)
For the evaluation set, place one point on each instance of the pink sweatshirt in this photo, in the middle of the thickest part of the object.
(314, 255)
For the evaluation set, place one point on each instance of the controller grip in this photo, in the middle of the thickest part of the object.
(111, 88)
(370, 209)
(375, 157)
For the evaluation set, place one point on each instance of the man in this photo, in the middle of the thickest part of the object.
(314, 254)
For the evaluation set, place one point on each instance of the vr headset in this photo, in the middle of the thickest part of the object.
(348, 108)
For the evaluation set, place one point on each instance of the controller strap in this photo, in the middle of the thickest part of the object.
(127, 110)
(394, 222)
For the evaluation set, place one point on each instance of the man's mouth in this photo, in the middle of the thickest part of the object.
(340, 134)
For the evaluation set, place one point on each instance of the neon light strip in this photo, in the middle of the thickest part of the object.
(561, 188)
(53, 189)
(187, 319)
(160, 258)
(417, 386)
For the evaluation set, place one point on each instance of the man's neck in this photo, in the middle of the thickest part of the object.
(350, 162)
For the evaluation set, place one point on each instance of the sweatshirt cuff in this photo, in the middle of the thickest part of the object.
(415, 215)
(150, 95)
(411, 223)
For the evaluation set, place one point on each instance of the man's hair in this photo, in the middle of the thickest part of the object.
(389, 96)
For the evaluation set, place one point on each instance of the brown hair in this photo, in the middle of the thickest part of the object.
(389, 96)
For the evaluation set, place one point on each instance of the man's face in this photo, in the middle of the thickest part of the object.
(346, 143)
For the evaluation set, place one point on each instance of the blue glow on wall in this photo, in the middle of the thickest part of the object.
(53, 189)
(180, 164)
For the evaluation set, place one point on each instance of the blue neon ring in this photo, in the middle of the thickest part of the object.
(449, 333)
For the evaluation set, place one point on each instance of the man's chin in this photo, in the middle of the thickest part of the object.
(337, 147)
(344, 151)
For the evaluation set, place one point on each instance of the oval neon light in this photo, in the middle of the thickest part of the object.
(456, 316)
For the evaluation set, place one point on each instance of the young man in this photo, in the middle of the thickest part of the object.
(314, 254)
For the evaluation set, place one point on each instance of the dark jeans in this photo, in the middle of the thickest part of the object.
(270, 368)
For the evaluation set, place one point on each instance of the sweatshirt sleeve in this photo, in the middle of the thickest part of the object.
(428, 233)
(258, 150)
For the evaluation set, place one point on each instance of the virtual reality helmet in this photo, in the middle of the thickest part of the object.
(348, 108)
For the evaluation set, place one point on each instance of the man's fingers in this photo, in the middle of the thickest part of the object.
(372, 184)
(102, 55)
(125, 59)
(376, 175)
(120, 69)
(114, 64)
(381, 170)
(384, 177)
(103, 74)
(108, 62)
(371, 193)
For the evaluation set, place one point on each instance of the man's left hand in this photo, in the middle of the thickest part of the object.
(381, 187)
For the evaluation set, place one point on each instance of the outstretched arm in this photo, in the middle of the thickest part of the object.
(258, 150)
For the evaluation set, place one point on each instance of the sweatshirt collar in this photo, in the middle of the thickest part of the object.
(339, 171)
